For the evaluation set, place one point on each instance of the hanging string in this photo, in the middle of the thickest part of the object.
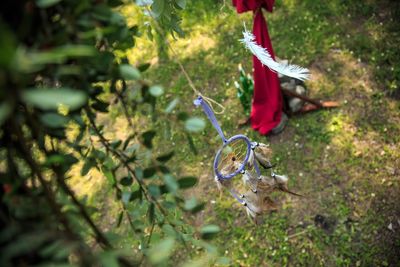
(211, 102)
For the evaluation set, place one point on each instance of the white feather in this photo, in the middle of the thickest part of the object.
(281, 179)
(265, 58)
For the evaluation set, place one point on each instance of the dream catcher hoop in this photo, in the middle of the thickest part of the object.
(237, 156)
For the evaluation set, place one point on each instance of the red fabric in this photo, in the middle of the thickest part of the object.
(267, 103)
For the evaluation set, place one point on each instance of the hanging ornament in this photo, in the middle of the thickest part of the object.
(239, 156)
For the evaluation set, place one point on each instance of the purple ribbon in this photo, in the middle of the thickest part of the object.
(210, 115)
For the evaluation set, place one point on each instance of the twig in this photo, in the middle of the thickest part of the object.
(123, 158)
(61, 181)
(148, 242)
(298, 234)
(210, 101)
(26, 155)
(98, 234)
(302, 97)
(123, 103)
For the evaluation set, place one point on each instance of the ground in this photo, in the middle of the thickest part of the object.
(345, 161)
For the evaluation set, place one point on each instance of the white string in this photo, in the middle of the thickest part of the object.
(211, 102)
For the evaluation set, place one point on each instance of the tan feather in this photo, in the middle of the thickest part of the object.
(265, 185)
(250, 162)
(249, 180)
(264, 150)
(265, 162)
(268, 204)
(253, 202)
(227, 183)
(282, 184)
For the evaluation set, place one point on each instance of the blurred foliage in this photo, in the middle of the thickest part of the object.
(63, 66)
(245, 88)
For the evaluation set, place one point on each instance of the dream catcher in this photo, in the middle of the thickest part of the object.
(239, 157)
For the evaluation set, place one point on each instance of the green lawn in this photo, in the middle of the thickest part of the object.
(345, 161)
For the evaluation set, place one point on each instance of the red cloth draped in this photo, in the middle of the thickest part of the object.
(267, 102)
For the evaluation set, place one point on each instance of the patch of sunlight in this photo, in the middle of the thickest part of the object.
(320, 82)
(88, 185)
(342, 129)
(144, 49)
(72, 131)
(195, 43)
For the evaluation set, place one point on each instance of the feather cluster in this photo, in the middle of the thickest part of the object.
(256, 199)
(266, 59)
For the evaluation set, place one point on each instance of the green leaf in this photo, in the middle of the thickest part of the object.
(163, 169)
(89, 163)
(171, 106)
(187, 182)
(169, 230)
(75, 51)
(156, 90)
(181, 3)
(53, 98)
(209, 231)
(149, 172)
(149, 33)
(5, 112)
(139, 173)
(193, 206)
(148, 138)
(64, 160)
(136, 194)
(171, 183)
(151, 212)
(190, 203)
(191, 144)
(126, 181)
(109, 259)
(127, 140)
(154, 190)
(100, 105)
(126, 196)
(120, 216)
(7, 45)
(195, 124)
(161, 252)
(57, 250)
(128, 72)
(157, 7)
(182, 116)
(31, 61)
(46, 3)
(144, 67)
(166, 157)
(54, 120)
(109, 175)
(115, 144)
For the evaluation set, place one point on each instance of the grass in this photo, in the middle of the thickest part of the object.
(346, 161)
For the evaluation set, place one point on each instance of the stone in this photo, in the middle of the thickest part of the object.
(291, 86)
